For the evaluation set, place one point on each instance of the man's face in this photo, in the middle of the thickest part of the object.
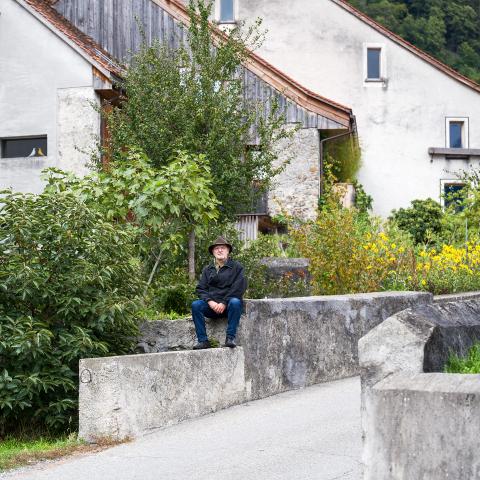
(220, 252)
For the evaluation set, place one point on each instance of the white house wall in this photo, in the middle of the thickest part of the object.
(322, 46)
(45, 89)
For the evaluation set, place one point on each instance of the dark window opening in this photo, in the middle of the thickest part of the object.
(453, 195)
(456, 134)
(226, 11)
(24, 147)
(373, 63)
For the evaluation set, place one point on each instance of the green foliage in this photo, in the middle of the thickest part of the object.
(260, 285)
(172, 292)
(165, 202)
(468, 364)
(344, 157)
(15, 452)
(363, 201)
(191, 99)
(423, 220)
(448, 30)
(69, 288)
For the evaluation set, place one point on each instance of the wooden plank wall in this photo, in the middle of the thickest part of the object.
(117, 26)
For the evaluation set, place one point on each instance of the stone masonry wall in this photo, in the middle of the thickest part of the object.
(296, 189)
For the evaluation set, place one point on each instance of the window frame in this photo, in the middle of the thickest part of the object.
(383, 80)
(23, 137)
(218, 13)
(443, 183)
(465, 131)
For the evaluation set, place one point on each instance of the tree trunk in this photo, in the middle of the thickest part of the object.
(191, 256)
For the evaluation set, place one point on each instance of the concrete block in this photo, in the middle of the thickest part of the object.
(295, 342)
(129, 395)
(418, 339)
(416, 424)
(423, 426)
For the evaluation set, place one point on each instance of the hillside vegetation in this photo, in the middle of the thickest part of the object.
(447, 29)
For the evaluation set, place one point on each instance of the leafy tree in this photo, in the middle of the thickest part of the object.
(69, 289)
(191, 99)
(166, 202)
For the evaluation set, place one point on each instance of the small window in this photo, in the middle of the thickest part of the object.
(452, 194)
(24, 147)
(456, 132)
(226, 11)
(373, 63)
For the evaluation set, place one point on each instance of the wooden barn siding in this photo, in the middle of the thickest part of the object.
(114, 25)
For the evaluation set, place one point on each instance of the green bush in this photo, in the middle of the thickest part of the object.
(423, 220)
(68, 288)
(468, 364)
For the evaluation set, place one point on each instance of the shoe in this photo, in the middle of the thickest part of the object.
(230, 342)
(202, 345)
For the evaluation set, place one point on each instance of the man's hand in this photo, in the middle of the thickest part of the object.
(217, 307)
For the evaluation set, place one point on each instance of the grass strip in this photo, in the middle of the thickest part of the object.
(468, 364)
(17, 452)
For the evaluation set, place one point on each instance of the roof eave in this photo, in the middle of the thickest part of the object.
(67, 40)
(408, 46)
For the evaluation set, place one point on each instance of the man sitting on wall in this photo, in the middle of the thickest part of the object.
(220, 290)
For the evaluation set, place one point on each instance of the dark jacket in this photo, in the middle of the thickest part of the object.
(229, 282)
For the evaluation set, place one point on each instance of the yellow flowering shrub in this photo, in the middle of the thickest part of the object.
(350, 253)
(449, 269)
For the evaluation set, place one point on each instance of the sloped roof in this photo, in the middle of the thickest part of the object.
(408, 46)
(82, 43)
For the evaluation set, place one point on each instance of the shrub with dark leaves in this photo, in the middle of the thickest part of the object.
(69, 284)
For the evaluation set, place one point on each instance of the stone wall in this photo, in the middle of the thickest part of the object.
(126, 396)
(296, 189)
(293, 342)
(285, 344)
(401, 403)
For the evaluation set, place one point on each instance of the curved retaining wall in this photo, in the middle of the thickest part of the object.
(285, 344)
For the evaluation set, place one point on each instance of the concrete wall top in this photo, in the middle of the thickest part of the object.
(419, 339)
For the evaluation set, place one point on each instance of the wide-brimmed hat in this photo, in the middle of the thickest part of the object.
(219, 241)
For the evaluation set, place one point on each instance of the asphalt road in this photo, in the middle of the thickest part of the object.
(309, 434)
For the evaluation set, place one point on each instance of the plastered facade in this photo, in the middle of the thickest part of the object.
(46, 88)
(322, 46)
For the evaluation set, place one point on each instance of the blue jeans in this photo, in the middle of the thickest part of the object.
(200, 310)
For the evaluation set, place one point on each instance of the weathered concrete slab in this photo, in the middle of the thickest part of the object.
(129, 395)
(415, 424)
(424, 426)
(419, 339)
(295, 342)
(456, 297)
(166, 335)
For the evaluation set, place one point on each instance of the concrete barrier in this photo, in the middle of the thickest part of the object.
(417, 424)
(287, 344)
(424, 426)
(126, 396)
(293, 342)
